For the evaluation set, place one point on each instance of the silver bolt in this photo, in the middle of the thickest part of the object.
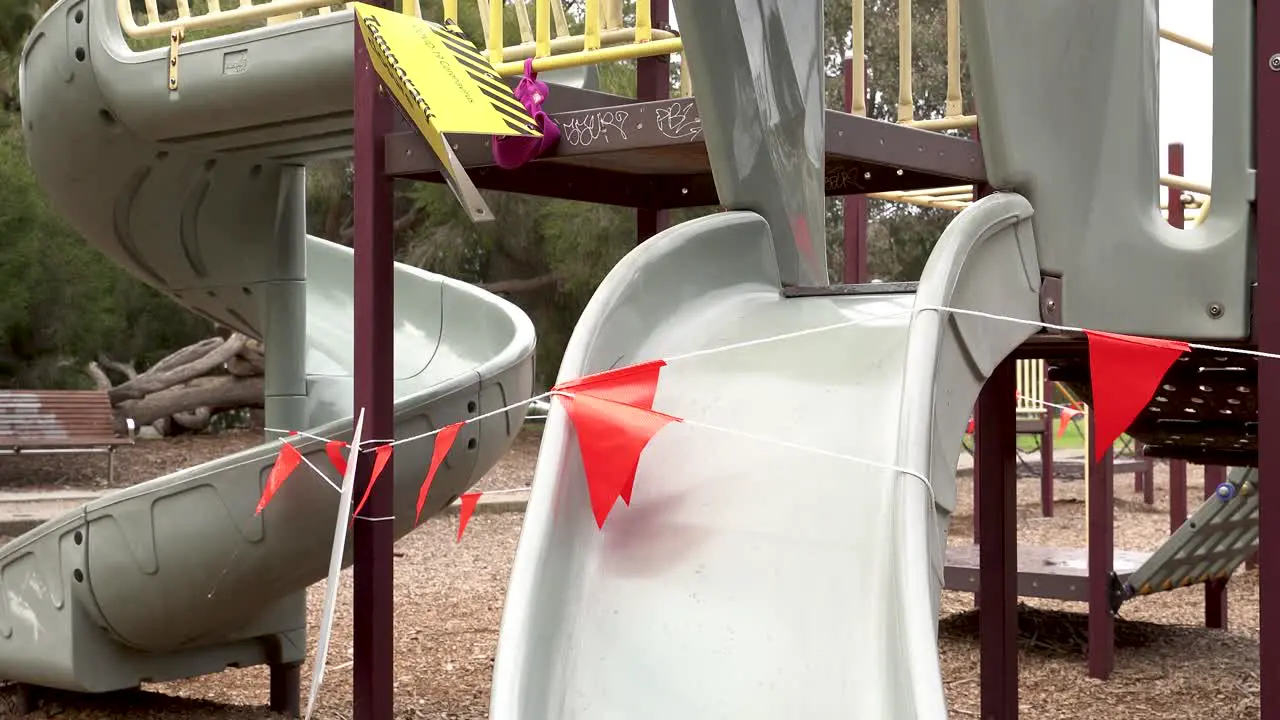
(1274, 63)
(1215, 310)
(1051, 305)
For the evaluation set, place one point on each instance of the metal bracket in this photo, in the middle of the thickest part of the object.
(1051, 302)
(175, 39)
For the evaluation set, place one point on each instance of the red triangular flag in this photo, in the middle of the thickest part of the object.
(333, 449)
(286, 462)
(467, 506)
(634, 385)
(611, 436)
(1125, 372)
(1064, 417)
(631, 385)
(444, 441)
(381, 455)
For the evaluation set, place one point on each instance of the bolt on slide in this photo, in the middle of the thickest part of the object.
(782, 550)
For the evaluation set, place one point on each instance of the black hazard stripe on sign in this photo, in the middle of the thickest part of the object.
(489, 84)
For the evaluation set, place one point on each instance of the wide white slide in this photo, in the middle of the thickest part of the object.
(782, 554)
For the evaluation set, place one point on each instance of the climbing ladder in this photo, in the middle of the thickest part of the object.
(1210, 545)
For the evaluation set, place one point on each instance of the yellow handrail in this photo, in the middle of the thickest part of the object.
(604, 39)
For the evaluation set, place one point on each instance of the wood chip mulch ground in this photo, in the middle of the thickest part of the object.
(449, 602)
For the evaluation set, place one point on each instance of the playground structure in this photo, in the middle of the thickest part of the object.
(201, 141)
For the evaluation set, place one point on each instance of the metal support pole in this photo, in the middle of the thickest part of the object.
(653, 82)
(1177, 494)
(1046, 453)
(1177, 468)
(373, 603)
(994, 446)
(285, 308)
(1215, 591)
(1100, 489)
(1266, 332)
(856, 216)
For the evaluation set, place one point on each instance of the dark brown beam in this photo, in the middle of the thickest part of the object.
(373, 605)
(1266, 330)
(996, 507)
(660, 140)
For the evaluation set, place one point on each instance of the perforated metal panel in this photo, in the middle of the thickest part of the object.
(1210, 545)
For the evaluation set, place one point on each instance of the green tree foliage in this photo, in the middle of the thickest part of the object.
(62, 304)
(900, 236)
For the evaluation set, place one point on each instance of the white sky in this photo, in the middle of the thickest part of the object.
(1186, 79)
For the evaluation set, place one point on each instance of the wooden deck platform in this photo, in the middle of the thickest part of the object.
(1043, 572)
(616, 151)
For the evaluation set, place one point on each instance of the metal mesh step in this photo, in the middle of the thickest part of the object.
(1210, 545)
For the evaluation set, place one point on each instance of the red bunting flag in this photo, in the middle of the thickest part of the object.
(286, 462)
(1125, 372)
(467, 506)
(1064, 417)
(634, 385)
(611, 436)
(631, 385)
(381, 455)
(333, 449)
(444, 441)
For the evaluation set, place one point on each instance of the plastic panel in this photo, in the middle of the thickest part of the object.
(1067, 98)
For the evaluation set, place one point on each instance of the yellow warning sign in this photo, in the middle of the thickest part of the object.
(417, 58)
(438, 75)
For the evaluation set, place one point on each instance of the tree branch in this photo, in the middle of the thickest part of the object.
(100, 379)
(124, 368)
(214, 393)
(152, 381)
(519, 285)
(185, 355)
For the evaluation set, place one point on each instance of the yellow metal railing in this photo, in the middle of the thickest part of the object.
(604, 38)
(959, 197)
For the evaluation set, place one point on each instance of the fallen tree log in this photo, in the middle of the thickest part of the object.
(153, 380)
(202, 394)
(187, 388)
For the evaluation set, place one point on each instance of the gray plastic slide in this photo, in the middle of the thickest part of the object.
(782, 554)
(749, 578)
(176, 577)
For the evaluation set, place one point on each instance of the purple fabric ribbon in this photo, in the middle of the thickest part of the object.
(512, 151)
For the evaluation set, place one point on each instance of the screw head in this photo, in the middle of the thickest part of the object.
(1215, 310)
(1274, 62)
(1050, 304)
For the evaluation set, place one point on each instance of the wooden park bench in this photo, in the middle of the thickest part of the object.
(59, 421)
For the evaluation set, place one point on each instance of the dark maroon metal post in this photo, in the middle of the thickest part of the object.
(653, 82)
(1215, 591)
(1177, 468)
(1177, 494)
(856, 216)
(373, 603)
(1138, 480)
(1046, 454)
(1266, 319)
(1102, 629)
(995, 444)
(1144, 479)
